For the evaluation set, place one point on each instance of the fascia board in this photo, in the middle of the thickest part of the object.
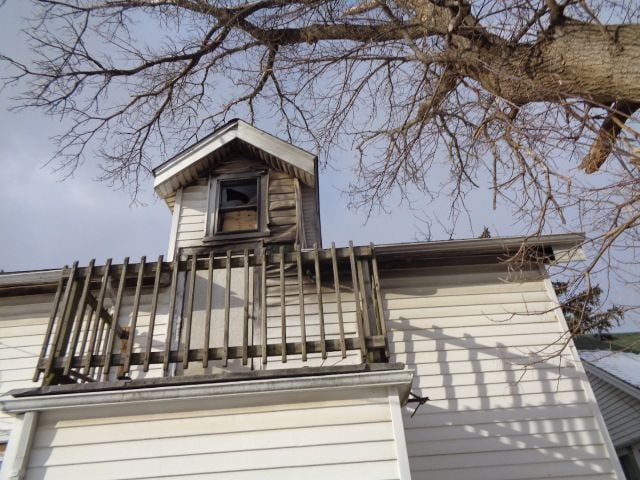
(612, 379)
(192, 155)
(296, 157)
(562, 241)
(399, 379)
(35, 277)
(286, 152)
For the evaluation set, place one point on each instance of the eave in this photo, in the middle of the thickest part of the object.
(543, 249)
(236, 136)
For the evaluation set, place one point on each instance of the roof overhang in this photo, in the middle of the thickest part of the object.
(237, 136)
(550, 249)
(616, 382)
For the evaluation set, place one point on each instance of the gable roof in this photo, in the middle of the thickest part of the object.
(621, 369)
(235, 136)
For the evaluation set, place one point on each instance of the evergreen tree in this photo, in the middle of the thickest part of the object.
(583, 310)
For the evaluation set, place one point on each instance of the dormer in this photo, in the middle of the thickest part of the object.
(240, 186)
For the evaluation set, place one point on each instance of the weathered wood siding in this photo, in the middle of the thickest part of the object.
(310, 216)
(498, 409)
(345, 437)
(23, 323)
(281, 200)
(621, 411)
(194, 205)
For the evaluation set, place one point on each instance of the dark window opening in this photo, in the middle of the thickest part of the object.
(238, 206)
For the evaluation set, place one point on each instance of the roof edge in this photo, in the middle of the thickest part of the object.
(617, 382)
(563, 242)
(299, 159)
(473, 245)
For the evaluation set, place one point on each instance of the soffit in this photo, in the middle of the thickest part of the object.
(235, 137)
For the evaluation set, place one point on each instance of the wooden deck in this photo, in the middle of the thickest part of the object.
(98, 331)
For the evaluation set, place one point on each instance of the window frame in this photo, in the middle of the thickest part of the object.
(213, 207)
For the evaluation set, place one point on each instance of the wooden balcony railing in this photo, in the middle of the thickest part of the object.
(225, 310)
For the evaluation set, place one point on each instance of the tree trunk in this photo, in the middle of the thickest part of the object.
(577, 60)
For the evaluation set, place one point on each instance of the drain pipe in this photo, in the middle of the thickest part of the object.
(16, 457)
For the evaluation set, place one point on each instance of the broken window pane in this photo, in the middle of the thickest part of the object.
(238, 206)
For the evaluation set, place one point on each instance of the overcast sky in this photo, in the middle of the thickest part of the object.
(46, 222)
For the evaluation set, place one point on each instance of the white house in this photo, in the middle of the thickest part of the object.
(253, 351)
(615, 379)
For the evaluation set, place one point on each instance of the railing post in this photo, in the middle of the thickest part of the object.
(89, 344)
(379, 307)
(65, 325)
(52, 321)
(356, 294)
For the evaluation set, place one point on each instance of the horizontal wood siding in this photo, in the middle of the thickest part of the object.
(499, 407)
(310, 216)
(23, 323)
(282, 208)
(281, 198)
(193, 215)
(342, 438)
(621, 411)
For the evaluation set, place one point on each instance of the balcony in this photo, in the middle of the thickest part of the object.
(223, 311)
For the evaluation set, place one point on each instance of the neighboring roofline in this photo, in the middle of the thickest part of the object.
(299, 159)
(617, 382)
(406, 251)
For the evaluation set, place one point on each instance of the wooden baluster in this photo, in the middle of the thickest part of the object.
(97, 312)
(116, 314)
(378, 295)
(207, 320)
(154, 311)
(336, 287)
(101, 347)
(303, 326)
(190, 300)
(245, 326)
(263, 301)
(356, 294)
(172, 306)
(316, 261)
(60, 326)
(283, 308)
(227, 307)
(52, 320)
(79, 319)
(366, 322)
(134, 317)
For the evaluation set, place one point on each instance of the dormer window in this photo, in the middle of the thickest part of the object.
(237, 206)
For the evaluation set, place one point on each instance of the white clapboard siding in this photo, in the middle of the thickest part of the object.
(349, 437)
(504, 402)
(23, 323)
(620, 410)
(192, 216)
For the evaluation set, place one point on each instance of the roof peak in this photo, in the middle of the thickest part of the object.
(185, 167)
